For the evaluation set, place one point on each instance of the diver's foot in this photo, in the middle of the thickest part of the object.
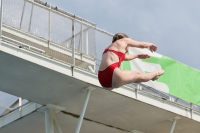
(159, 73)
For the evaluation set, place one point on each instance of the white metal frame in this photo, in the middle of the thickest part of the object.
(174, 123)
(51, 121)
(78, 127)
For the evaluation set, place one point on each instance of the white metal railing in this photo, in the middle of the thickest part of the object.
(50, 23)
(53, 24)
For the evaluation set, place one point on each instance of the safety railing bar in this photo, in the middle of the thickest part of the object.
(175, 103)
(78, 19)
(38, 4)
(71, 16)
(45, 4)
(103, 31)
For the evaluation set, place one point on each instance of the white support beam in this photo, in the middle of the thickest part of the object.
(56, 123)
(174, 124)
(51, 120)
(20, 102)
(78, 127)
(49, 126)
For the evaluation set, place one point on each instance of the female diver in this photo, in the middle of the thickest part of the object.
(110, 76)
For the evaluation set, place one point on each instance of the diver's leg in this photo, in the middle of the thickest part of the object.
(121, 77)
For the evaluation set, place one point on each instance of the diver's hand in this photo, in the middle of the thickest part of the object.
(143, 56)
(152, 47)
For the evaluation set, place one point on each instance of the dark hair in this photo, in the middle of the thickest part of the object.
(119, 36)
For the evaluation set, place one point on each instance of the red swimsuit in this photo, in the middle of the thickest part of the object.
(105, 76)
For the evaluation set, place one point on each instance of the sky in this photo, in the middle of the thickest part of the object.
(172, 25)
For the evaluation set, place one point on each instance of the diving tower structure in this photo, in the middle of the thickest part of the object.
(50, 57)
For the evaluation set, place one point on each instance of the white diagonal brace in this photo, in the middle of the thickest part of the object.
(56, 123)
(51, 120)
(49, 126)
(78, 127)
(174, 123)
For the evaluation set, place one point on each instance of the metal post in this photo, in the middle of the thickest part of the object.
(191, 110)
(73, 42)
(173, 125)
(136, 90)
(20, 26)
(49, 33)
(1, 17)
(81, 41)
(86, 42)
(20, 101)
(30, 18)
(78, 127)
(81, 38)
(49, 121)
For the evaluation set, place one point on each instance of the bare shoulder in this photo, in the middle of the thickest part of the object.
(122, 42)
(130, 42)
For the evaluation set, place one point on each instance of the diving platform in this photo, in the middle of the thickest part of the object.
(58, 78)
